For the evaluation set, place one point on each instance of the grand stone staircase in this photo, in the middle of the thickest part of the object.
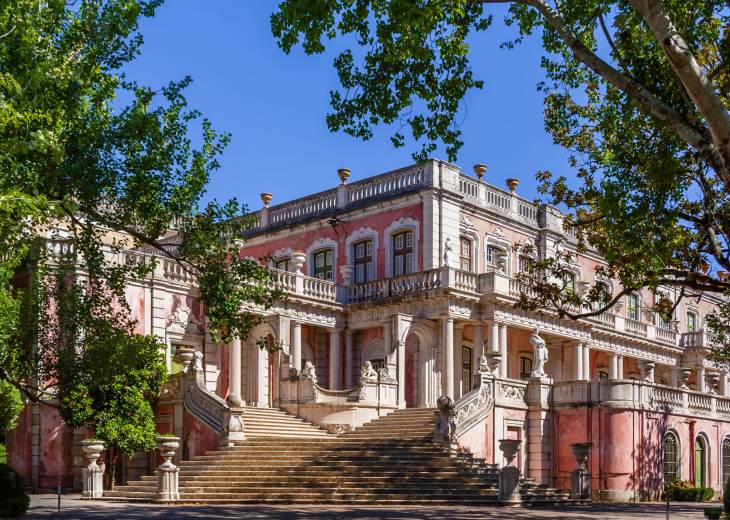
(390, 461)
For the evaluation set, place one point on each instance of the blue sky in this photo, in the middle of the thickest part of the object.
(275, 105)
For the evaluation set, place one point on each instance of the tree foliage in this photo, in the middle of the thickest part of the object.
(93, 164)
(637, 90)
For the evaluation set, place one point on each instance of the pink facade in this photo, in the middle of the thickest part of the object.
(614, 381)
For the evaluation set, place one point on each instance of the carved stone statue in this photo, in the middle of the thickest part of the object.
(483, 367)
(368, 373)
(541, 354)
(447, 252)
(308, 371)
(197, 361)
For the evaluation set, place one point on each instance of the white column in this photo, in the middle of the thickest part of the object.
(234, 367)
(493, 332)
(503, 348)
(620, 367)
(388, 340)
(401, 346)
(555, 362)
(613, 369)
(296, 345)
(673, 381)
(701, 387)
(478, 342)
(586, 362)
(578, 362)
(335, 361)
(458, 360)
(447, 377)
(348, 360)
(723, 384)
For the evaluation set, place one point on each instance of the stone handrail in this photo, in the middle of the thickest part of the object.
(636, 327)
(224, 418)
(453, 419)
(388, 183)
(299, 209)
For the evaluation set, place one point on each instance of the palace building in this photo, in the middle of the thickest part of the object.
(401, 290)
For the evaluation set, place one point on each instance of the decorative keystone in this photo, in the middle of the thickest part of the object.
(480, 170)
(344, 174)
(266, 198)
(512, 184)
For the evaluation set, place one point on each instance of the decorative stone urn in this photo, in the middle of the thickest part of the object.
(266, 198)
(297, 261)
(493, 362)
(619, 305)
(512, 184)
(346, 272)
(93, 482)
(185, 356)
(712, 379)
(167, 482)
(501, 261)
(682, 376)
(580, 481)
(647, 370)
(583, 287)
(480, 170)
(649, 314)
(580, 451)
(344, 174)
(510, 447)
(509, 475)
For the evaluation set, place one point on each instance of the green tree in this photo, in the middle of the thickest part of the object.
(637, 90)
(93, 164)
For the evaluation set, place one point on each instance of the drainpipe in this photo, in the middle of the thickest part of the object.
(691, 451)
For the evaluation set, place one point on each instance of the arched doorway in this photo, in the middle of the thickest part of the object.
(700, 462)
(411, 389)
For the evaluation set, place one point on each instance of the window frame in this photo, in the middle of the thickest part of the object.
(674, 453)
(403, 254)
(725, 450)
(363, 265)
(694, 319)
(289, 268)
(466, 257)
(569, 282)
(466, 369)
(326, 268)
(630, 308)
(525, 360)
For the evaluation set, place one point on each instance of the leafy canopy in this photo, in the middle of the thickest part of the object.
(93, 164)
(637, 90)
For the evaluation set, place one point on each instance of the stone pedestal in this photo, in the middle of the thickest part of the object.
(539, 428)
(93, 479)
(509, 486)
(580, 484)
(92, 475)
(233, 421)
(167, 489)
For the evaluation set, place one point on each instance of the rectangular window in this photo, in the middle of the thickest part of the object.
(399, 265)
(399, 242)
(523, 264)
(489, 256)
(691, 322)
(465, 255)
(525, 367)
(175, 367)
(403, 256)
(631, 306)
(569, 280)
(409, 239)
(284, 265)
(364, 262)
(466, 370)
(409, 263)
(323, 264)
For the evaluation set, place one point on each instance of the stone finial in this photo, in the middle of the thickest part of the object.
(512, 184)
(344, 174)
(480, 170)
(266, 198)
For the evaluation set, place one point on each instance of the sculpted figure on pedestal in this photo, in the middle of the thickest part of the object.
(368, 373)
(541, 354)
(308, 371)
(447, 252)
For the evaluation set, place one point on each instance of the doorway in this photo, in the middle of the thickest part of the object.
(700, 460)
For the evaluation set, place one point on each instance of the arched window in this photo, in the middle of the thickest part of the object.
(670, 456)
(725, 460)
(323, 264)
(691, 322)
(363, 261)
(602, 374)
(284, 264)
(403, 253)
(632, 306)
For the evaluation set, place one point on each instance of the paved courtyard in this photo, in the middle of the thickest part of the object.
(72, 507)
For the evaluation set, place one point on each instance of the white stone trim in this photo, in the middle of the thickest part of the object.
(357, 236)
(497, 239)
(693, 309)
(281, 254)
(318, 245)
(467, 229)
(368, 353)
(402, 224)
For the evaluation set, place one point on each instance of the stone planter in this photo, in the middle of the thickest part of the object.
(346, 272)
(647, 370)
(343, 174)
(297, 261)
(712, 379)
(185, 357)
(167, 482)
(509, 447)
(480, 170)
(493, 362)
(581, 452)
(93, 483)
(682, 377)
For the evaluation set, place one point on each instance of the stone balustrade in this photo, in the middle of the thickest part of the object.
(338, 411)
(453, 419)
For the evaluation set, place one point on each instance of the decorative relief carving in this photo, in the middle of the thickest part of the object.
(512, 391)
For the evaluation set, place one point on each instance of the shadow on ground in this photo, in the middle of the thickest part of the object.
(72, 507)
